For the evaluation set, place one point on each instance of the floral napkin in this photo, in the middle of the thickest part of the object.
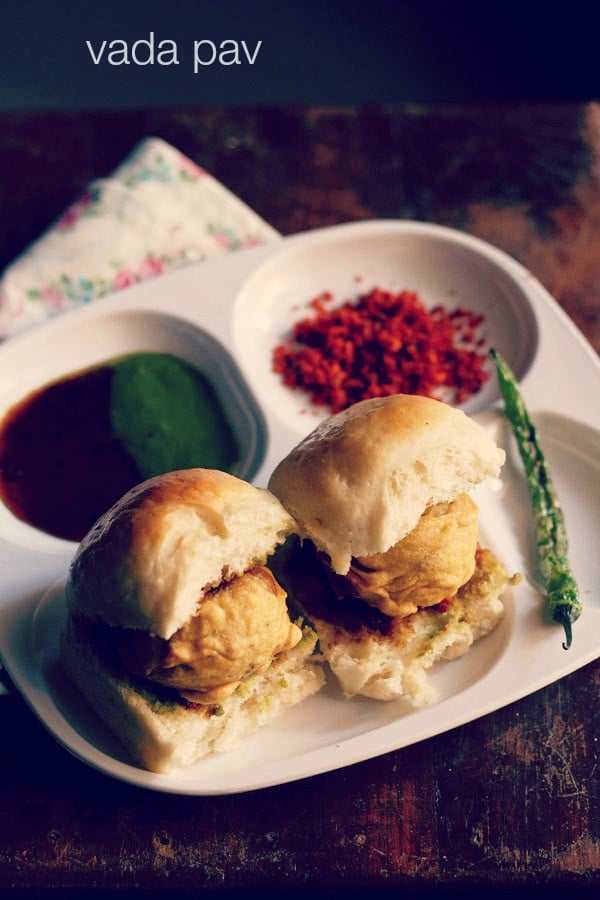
(157, 211)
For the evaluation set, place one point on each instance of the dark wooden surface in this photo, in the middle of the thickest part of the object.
(508, 802)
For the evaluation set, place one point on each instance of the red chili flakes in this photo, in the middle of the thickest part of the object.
(381, 344)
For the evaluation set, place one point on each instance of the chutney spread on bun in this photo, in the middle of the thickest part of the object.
(381, 496)
(177, 632)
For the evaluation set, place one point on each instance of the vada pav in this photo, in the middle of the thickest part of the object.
(178, 634)
(381, 490)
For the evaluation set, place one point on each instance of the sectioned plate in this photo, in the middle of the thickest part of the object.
(243, 305)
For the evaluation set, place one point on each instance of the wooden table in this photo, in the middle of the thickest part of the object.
(509, 801)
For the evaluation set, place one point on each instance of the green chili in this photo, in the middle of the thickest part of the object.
(553, 571)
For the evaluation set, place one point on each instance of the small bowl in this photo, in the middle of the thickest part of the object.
(88, 337)
(441, 265)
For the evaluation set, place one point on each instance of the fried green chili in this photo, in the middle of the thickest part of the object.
(553, 571)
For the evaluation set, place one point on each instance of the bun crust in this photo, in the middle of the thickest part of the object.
(362, 479)
(147, 562)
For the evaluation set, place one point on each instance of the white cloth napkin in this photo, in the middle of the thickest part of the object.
(157, 211)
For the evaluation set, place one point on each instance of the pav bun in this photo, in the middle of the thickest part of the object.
(165, 736)
(177, 632)
(147, 561)
(363, 478)
(390, 571)
(391, 657)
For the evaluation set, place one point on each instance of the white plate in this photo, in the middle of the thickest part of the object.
(227, 315)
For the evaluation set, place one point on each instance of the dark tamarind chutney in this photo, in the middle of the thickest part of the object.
(72, 448)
